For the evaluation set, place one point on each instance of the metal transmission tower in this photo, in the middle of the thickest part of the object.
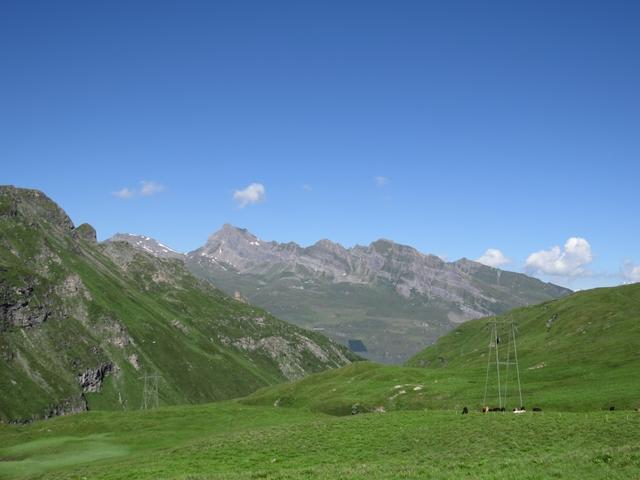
(150, 392)
(503, 354)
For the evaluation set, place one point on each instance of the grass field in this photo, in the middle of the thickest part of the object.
(234, 441)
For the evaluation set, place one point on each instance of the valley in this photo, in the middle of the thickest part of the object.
(367, 420)
(391, 298)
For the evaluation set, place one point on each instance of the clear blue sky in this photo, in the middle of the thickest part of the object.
(505, 125)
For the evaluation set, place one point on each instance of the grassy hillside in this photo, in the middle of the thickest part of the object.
(582, 350)
(231, 441)
(580, 353)
(81, 323)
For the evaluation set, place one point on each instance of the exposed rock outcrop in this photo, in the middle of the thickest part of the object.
(85, 232)
(91, 380)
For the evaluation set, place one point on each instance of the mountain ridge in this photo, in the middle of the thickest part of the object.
(390, 296)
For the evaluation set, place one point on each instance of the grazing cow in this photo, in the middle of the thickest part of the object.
(537, 409)
(465, 410)
(611, 409)
(485, 409)
(519, 410)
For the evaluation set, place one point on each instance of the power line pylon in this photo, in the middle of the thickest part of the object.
(150, 392)
(502, 337)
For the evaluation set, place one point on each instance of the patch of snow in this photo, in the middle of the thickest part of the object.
(166, 248)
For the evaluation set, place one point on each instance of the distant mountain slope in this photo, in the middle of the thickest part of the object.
(81, 323)
(391, 297)
(577, 353)
(147, 244)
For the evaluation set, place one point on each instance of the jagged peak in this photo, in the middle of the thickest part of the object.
(229, 231)
(327, 244)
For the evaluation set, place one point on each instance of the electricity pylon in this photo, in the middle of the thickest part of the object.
(150, 392)
(502, 337)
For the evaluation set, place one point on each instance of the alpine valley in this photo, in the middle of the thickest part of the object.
(386, 301)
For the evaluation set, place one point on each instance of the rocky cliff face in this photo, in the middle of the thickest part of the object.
(81, 322)
(393, 297)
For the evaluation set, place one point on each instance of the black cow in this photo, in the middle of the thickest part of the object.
(465, 410)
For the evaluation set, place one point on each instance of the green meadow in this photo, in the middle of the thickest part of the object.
(229, 440)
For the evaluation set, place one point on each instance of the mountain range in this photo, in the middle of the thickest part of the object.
(386, 301)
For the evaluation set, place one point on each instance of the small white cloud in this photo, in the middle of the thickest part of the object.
(493, 258)
(307, 188)
(147, 188)
(380, 181)
(631, 272)
(254, 193)
(569, 261)
(124, 193)
(150, 187)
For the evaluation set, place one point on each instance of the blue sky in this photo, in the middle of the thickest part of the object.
(454, 127)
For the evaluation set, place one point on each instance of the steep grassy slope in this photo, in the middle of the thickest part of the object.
(580, 353)
(80, 323)
(230, 441)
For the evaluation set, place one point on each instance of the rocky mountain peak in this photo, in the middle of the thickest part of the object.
(329, 246)
(388, 248)
(33, 206)
(232, 234)
(85, 232)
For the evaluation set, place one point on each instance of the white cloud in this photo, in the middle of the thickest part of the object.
(631, 272)
(147, 188)
(254, 193)
(569, 261)
(380, 181)
(493, 258)
(150, 187)
(124, 193)
(307, 188)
